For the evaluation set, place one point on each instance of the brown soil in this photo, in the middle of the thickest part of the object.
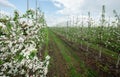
(58, 66)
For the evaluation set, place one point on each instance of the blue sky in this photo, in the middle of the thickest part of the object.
(46, 5)
(57, 11)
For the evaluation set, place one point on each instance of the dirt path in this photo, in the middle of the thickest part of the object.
(63, 63)
(58, 66)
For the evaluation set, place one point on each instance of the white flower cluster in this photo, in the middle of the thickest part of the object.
(19, 45)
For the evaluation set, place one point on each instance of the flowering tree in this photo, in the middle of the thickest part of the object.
(20, 42)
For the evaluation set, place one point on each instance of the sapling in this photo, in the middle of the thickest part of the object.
(89, 19)
(102, 24)
(118, 25)
(67, 23)
(89, 26)
(82, 31)
(77, 21)
(109, 22)
(73, 21)
(70, 24)
(117, 18)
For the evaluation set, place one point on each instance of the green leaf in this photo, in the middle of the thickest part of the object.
(32, 54)
(19, 57)
(1, 62)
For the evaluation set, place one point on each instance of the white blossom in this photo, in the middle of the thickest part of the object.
(17, 47)
(2, 25)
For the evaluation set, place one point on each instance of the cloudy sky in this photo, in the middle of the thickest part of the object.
(57, 11)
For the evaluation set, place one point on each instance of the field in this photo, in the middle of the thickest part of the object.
(77, 61)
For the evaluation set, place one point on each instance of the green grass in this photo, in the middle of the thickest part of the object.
(66, 56)
(47, 42)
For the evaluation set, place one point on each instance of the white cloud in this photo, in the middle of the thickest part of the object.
(6, 3)
(69, 6)
(78, 7)
(57, 4)
(70, 3)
